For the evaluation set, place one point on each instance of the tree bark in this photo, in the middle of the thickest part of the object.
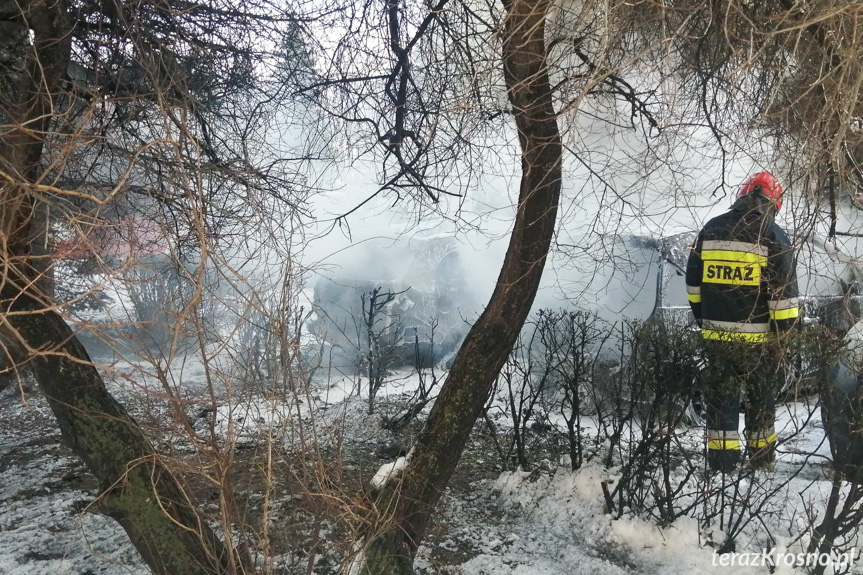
(392, 541)
(138, 490)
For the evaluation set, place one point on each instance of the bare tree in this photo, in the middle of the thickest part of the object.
(381, 330)
(158, 108)
(725, 58)
(394, 538)
(572, 340)
(107, 108)
(424, 366)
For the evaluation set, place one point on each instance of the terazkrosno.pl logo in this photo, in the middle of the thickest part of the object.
(775, 558)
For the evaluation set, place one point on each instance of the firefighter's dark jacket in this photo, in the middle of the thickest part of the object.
(740, 278)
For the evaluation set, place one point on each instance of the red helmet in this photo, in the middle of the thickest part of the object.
(765, 183)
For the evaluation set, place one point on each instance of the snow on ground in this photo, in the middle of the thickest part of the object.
(556, 525)
(46, 527)
(513, 522)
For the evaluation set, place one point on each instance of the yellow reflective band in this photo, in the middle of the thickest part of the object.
(762, 442)
(735, 247)
(723, 444)
(784, 313)
(783, 303)
(735, 336)
(694, 297)
(731, 273)
(734, 256)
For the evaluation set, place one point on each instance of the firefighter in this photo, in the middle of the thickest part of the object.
(742, 288)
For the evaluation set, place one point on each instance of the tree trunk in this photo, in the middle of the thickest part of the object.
(410, 501)
(573, 438)
(138, 490)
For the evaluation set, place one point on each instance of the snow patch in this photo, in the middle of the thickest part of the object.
(388, 470)
(358, 561)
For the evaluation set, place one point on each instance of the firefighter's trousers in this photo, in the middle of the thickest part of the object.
(733, 368)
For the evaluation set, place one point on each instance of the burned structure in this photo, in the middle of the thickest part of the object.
(422, 305)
